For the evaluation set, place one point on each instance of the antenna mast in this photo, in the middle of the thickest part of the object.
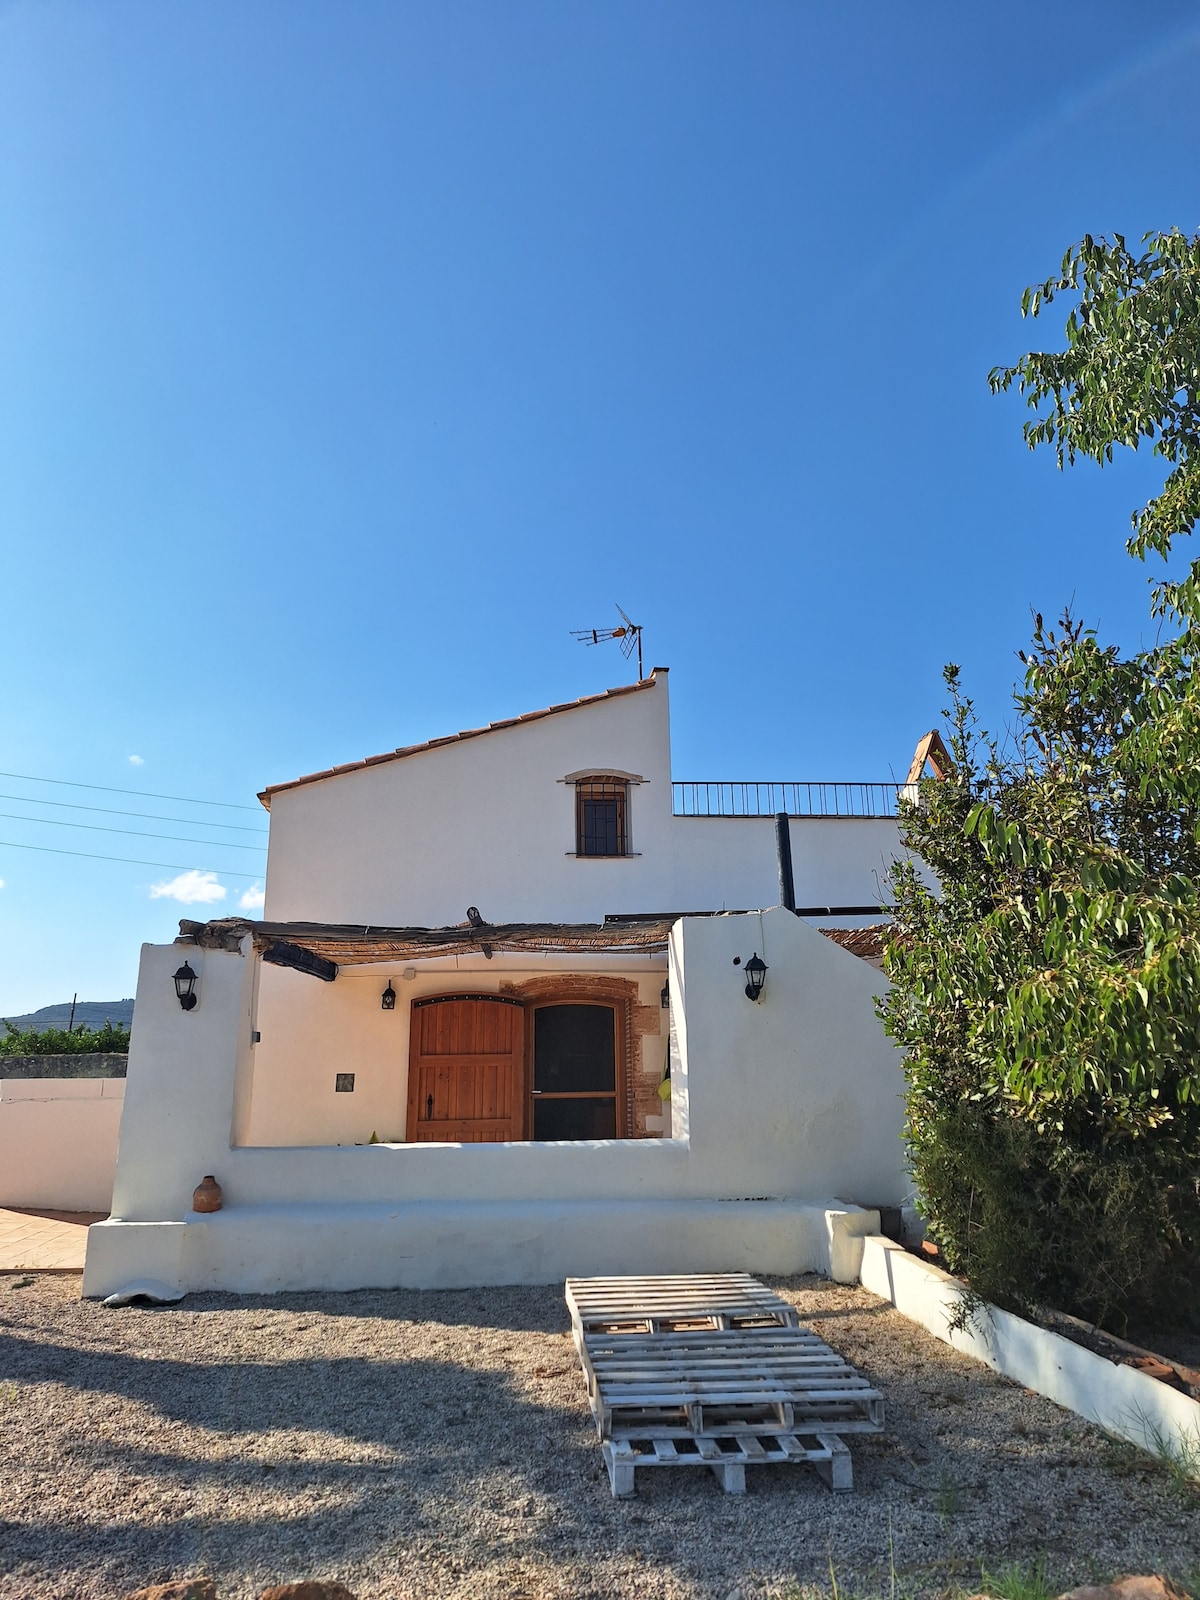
(629, 634)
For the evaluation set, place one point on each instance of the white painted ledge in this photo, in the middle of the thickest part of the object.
(1118, 1399)
(431, 1244)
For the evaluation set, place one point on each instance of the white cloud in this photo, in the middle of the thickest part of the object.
(1, 883)
(136, 761)
(190, 889)
(253, 900)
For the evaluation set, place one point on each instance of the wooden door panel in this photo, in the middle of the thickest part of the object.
(466, 1070)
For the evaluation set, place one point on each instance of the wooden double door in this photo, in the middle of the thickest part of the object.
(485, 1069)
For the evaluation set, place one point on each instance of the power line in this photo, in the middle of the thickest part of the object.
(146, 794)
(149, 816)
(130, 833)
(87, 855)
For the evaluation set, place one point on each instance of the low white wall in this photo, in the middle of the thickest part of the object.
(187, 1082)
(794, 1099)
(58, 1142)
(445, 1245)
(799, 1093)
(1119, 1399)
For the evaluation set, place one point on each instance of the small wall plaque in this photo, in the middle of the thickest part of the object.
(343, 1083)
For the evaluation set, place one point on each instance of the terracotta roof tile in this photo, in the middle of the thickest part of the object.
(866, 943)
(455, 738)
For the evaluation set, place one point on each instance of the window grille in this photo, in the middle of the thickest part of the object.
(601, 817)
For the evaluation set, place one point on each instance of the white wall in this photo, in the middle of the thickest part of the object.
(486, 822)
(730, 863)
(789, 1103)
(801, 1092)
(312, 1030)
(58, 1142)
(185, 1081)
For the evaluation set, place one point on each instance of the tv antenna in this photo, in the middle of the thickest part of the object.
(629, 634)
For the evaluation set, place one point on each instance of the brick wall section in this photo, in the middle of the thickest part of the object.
(635, 1021)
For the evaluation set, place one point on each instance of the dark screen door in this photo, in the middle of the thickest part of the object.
(575, 1072)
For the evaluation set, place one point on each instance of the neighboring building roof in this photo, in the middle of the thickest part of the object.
(456, 738)
(867, 943)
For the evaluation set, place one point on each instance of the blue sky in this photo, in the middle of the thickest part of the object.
(352, 354)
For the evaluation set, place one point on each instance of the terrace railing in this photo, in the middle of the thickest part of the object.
(840, 799)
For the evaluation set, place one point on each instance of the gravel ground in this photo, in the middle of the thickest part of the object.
(439, 1444)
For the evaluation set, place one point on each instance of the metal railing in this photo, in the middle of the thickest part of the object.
(703, 799)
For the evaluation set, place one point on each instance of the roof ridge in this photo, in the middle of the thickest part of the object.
(467, 733)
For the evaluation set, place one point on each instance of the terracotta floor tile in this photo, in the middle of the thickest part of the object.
(42, 1244)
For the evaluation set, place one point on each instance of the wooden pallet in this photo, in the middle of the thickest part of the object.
(713, 1371)
(675, 1305)
(727, 1456)
(773, 1379)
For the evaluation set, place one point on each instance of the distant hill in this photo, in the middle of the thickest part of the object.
(95, 1013)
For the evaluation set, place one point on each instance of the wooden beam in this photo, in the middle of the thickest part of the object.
(283, 954)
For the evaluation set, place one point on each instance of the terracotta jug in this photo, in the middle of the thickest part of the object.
(207, 1195)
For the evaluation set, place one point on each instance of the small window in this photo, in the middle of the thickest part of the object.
(601, 817)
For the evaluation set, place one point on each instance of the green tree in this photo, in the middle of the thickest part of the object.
(1130, 372)
(1048, 995)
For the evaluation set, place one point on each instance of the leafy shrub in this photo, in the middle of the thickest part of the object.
(1048, 996)
(83, 1040)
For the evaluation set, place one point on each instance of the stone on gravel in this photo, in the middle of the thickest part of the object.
(1130, 1588)
(307, 1590)
(178, 1589)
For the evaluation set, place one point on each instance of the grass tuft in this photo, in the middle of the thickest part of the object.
(1017, 1582)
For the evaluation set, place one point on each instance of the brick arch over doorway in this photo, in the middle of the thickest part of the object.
(634, 1022)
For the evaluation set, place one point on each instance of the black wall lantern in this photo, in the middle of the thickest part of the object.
(664, 997)
(756, 976)
(185, 987)
(388, 999)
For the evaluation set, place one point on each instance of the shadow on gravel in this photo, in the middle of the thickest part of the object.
(300, 1464)
(516, 1310)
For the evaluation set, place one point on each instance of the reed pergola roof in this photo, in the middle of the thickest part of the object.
(356, 944)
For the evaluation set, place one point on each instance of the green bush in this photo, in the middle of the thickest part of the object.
(1048, 993)
(1049, 996)
(63, 1042)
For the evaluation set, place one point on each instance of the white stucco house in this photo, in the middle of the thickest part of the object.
(494, 1027)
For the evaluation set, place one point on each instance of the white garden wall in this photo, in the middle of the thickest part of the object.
(58, 1142)
(801, 1093)
(1117, 1398)
(779, 1110)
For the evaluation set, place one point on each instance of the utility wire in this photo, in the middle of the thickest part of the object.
(131, 833)
(148, 816)
(86, 855)
(146, 794)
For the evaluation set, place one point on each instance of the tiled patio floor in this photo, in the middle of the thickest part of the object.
(44, 1241)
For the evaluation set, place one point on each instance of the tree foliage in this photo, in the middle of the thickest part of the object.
(110, 1039)
(1048, 992)
(1048, 996)
(1130, 372)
